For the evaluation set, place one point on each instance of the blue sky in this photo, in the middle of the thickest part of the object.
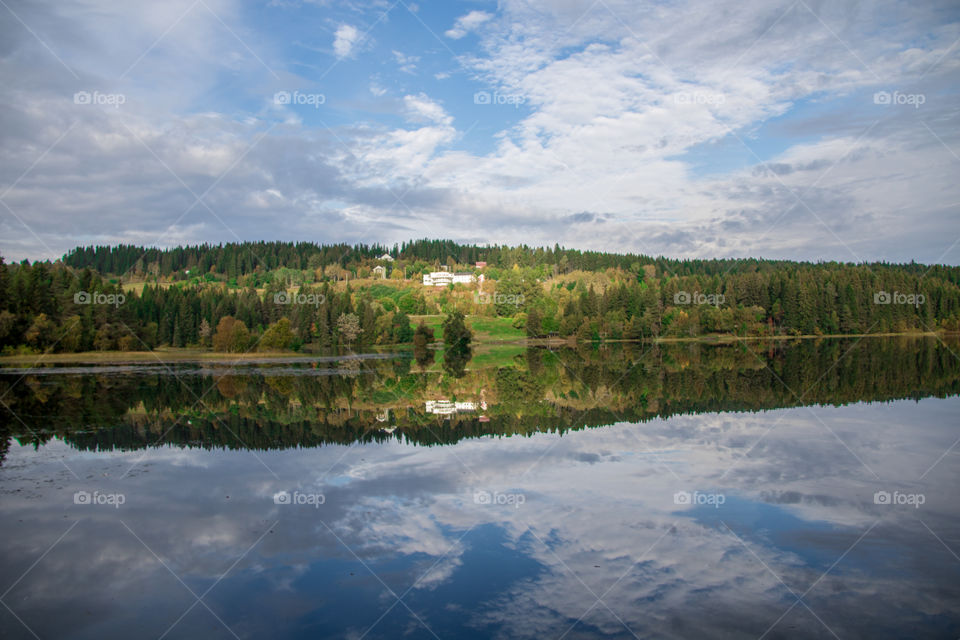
(674, 128)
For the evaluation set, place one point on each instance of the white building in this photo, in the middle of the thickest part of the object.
(443, 278)
(386, 257)
(379, 271)
(437, 279)
(448, 407)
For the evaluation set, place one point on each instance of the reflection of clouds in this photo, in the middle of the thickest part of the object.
(601, 501)
(439, 573)
(387, 525)
(171, 455)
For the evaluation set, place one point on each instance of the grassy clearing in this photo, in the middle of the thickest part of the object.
(495, 328)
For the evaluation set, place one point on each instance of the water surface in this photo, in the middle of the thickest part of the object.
(759, 490)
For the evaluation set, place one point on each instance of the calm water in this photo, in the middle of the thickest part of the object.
(805, 490)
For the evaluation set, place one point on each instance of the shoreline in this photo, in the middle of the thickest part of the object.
(194, 355)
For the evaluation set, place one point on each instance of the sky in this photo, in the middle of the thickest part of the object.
(787, 129)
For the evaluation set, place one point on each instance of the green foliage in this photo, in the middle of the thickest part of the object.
(516, 291)
(231, 335)
(456, 334)
(400, 328)
(277, 337)
(456, 339)
(423, 336)
(412, 304)
(534, 326)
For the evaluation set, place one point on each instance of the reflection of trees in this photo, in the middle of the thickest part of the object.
(545, 390)
(455, 360)
(229, 386)
(424, 356)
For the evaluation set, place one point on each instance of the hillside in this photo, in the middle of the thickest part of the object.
(277, 296)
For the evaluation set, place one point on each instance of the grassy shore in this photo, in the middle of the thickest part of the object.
(489, 335)
(159, 355)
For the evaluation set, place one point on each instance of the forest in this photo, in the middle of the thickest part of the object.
(275, 296)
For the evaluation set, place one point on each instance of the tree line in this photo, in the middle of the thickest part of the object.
(238, 259)
(804, 299)
(55, 307)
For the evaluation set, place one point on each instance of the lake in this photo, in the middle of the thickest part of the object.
(802, 489)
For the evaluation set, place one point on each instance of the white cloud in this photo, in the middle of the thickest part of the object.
(345, 39)
(618, 121)
(467, 23)
(407, 63)
(422, 108)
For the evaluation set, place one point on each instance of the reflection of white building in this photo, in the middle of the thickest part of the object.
(449, 407)
(443, 278)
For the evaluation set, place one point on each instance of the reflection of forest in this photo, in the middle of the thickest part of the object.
(542, 390)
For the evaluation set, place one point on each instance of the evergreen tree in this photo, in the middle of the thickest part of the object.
(456, 334)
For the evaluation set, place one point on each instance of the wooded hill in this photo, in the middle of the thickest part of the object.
(276, 295)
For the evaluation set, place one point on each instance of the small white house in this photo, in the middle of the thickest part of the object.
(380, 271)
(387, 257)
